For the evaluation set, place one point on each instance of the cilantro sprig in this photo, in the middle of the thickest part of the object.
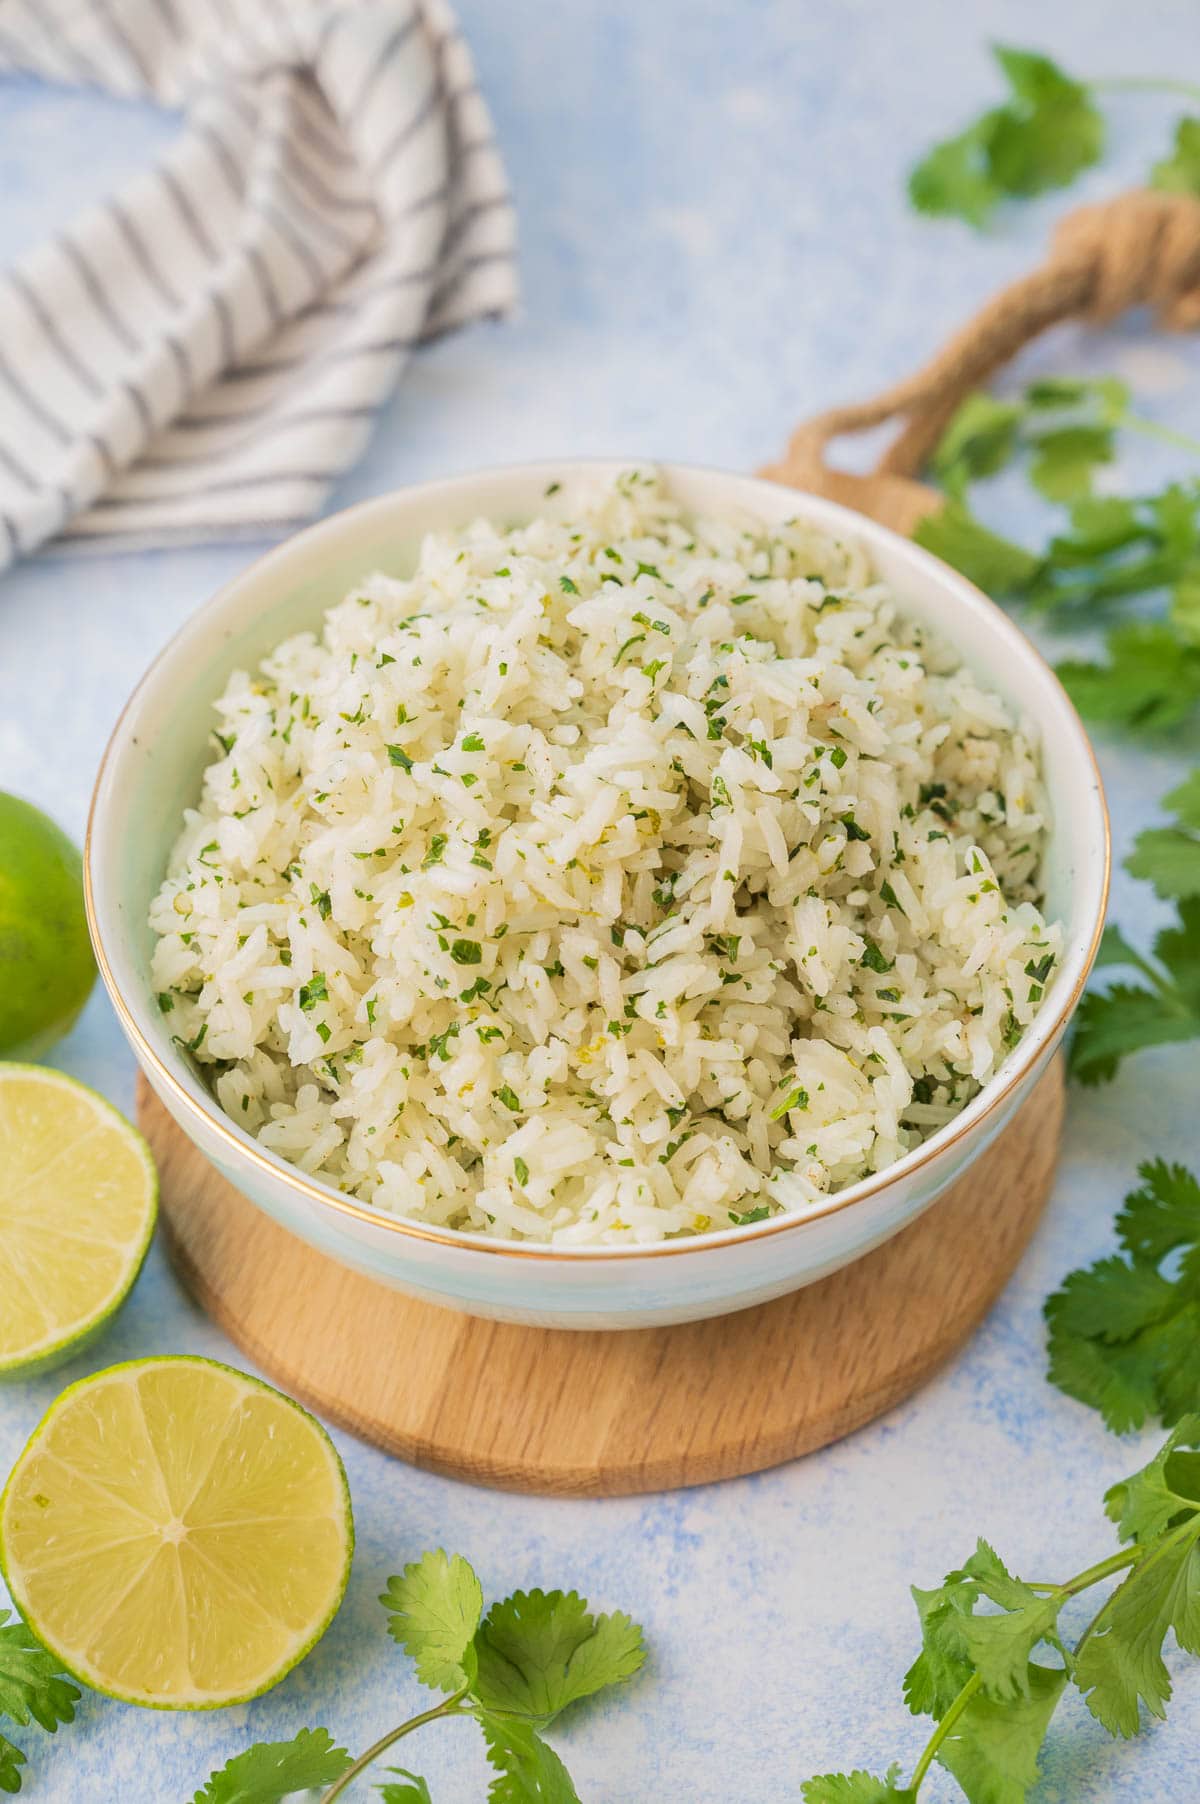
(1047, 132)
(1114, 547)
(1069, 423)
(33, 1688)
(977, 1676)
(513, 1670)
(1114, 551)
(1124, 1332)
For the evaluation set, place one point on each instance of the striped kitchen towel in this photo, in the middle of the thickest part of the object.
(202, 355)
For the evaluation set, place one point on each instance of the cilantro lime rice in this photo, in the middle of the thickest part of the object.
(620, 877)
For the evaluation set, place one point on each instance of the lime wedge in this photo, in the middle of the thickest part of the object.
(176, 1533)
(78, 1196)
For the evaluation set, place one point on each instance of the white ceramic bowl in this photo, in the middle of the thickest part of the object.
(152, 768)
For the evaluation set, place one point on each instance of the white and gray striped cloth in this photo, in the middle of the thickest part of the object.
(202, 355)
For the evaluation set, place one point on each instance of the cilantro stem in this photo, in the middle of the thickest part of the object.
(943, 1729)
(1092, 1626)
(1083, 1581)
(1116, 1562)
(1145, 84)
(1166, 435)
(447, 1707)
(1168, 992)
(1188, 1530)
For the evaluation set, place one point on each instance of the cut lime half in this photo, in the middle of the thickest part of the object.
(176, 1533)
(78, 1197)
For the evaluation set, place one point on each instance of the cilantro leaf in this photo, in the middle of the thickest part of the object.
(1123, 1334)
(857, 1787)
(1117, 1381)
(1068, 422)
(979, 441)
(1112, 1300)
(941, 1669)
(1120, 1666)
(1184, 613)
(414, 1790)
(1169, 857)
(1101, 526)
(433, 1608)
(539, 1651)
(994, 564)
(1065, 458)
(1151, 681)
(1163, 1214)
(1113, 1023)
(528, 1769)
(1050, 131)
(993, 1748)
(1147, 1503)
(1179, 950)
(11, 1761)
(1115, 949)
(1174, 516)
(1180, 172)
(314, 991)
(1047, 132)
(1054, 393)
(953, 180)
(1155, 1373)
(32, 1689)
(272, 1770)
(1121, 546)
(958, 1641)
(1000, 1645)
(32, 1685)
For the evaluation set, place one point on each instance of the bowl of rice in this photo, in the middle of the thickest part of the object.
(596, 895)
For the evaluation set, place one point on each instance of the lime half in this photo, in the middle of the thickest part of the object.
(78, 1197)
(176, 1533)
(46, 963)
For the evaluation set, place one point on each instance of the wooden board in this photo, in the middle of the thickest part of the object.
(592, 1414)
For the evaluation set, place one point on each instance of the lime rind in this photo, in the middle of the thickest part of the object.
(68, 1658)
(42, 1042)
(47, 964)
(64, 1342)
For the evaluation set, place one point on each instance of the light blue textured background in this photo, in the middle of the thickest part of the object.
(714, 243)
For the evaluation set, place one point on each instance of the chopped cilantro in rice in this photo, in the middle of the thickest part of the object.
(620, 877)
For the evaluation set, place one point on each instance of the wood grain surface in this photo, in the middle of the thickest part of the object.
(594, 1414)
